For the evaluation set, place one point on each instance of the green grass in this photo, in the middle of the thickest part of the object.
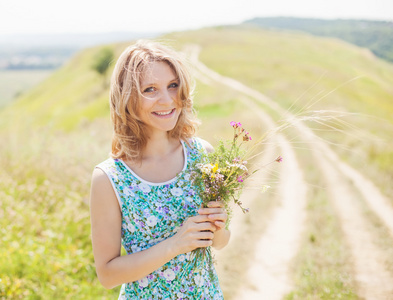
(46, 251)
(73, 94)
(320, 270)
(14, 83)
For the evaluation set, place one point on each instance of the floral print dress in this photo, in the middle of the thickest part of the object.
(153, 212)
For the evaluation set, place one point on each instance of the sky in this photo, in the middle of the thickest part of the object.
(88, 16)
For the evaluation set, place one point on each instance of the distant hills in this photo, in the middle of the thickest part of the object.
(374, 35)
(49, 51)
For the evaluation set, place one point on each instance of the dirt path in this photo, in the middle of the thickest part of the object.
(343, 184)
(268, 276)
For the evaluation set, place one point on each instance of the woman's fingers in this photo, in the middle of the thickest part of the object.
(219, 224)
(205, 235)
(196, 232)
(199, 218)
(206, 226)
(209, 211)
(218, 217)
(215, 204)
(215, 211)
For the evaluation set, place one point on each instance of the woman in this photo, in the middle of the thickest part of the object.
(142, 196)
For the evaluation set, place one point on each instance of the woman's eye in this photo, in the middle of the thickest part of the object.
(173, 85)
(148, 90)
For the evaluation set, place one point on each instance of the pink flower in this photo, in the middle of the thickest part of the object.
(279, 159)
(236, 159)
(240, 179)
(235, 124)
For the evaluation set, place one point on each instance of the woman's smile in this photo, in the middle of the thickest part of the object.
(164, 114)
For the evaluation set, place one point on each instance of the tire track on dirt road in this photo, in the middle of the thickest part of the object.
(268, 275)
(343, 184)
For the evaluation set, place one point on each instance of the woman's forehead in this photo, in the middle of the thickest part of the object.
(157, 71)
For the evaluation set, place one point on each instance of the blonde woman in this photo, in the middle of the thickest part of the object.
(142, 196)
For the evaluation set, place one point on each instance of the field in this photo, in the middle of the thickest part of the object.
(302, 239)
(14, 83)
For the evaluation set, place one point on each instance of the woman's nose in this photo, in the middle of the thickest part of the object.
(165, 96)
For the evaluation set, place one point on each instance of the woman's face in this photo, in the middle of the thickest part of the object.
(159, 108)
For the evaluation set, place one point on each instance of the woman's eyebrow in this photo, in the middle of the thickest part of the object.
(154, 82)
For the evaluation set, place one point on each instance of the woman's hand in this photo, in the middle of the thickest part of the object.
(196, 232)
(203, 230)
(216, 214)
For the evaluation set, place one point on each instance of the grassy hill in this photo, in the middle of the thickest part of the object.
(374, 35)
(303, 72)
(55, 134)
(71, 94)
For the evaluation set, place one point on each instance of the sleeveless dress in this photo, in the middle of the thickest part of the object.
(153, 212)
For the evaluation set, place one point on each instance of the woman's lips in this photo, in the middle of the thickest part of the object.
(164, 114)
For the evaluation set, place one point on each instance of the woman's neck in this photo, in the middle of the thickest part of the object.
(159, 145)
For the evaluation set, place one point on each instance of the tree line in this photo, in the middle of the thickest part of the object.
(374, 35)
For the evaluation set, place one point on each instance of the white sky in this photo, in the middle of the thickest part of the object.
(80, 16)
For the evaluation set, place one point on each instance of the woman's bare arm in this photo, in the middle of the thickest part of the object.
(114, 269)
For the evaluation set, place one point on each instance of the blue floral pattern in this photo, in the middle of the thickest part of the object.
(151, 213)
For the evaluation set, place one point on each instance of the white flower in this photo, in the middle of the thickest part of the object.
(151, 221)
(206, 169)
(177, 192)
(135, 248)
(238, 166)
(189, 200)
(144, 187)
(144, 282)
(131, 227)
(182, 258)
(199, 280)
(187, 176)
(169, 274)
(129, 193)
(180, 295)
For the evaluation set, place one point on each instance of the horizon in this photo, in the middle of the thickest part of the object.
(119, 31)
(86, 17)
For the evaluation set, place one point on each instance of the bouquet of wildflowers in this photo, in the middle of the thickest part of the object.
(220, 176)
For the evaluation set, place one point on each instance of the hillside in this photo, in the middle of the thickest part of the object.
(303, 72)
(313, 223)
(374, 35)
(72, 94)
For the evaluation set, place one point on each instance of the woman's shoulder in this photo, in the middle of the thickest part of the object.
(107, 164)
(201, 144)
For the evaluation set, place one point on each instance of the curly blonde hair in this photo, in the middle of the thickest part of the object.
(130, 134)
